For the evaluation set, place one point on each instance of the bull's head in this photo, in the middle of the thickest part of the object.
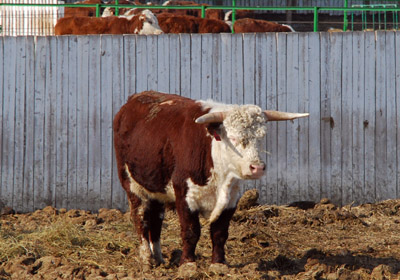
(241, 130)
(150, 23)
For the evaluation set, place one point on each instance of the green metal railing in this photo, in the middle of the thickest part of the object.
(313, 9)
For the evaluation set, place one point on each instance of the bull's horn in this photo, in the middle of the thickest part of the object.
(214, 117)
(283, 116)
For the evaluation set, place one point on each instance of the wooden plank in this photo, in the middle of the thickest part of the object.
(335, 89)
(313, 93)
(28, 190)
(226, 61)
(249, 69)
(326, 120)
(8, 129)
(73, 50)
(118, 194)
(50, 122)
(185, 65)
(282, 96)
(381, 157)
(2, 74)
(347, 121)
(141, 63)
(174, 64)
(303, 106)
(106, 182)
(195, 67)
(237, 69)
(358, 92)
(39, 119)
(82, 106)
(369, 117)
(163, 63)
(216, 76)
(94, 117)
(272, 127)
(20, 62)
(260, 90)
(397, 92)
(206, 66)
(152, 73)
(130, 64)
(292, 99)
(390, 81)
(62, 69)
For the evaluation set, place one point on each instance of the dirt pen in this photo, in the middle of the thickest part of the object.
(299, 241)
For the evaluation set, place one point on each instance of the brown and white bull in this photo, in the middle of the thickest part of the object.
(145, 23)
(172, 149)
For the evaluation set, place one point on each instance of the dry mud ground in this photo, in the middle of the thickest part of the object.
(302, 241)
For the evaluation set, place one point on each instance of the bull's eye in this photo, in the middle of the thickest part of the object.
(244, 143)
(149, 21)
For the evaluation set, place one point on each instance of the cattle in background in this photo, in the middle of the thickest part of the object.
(193, 154)
(144, 23)
(249, 25)
(210, 13)
(82, 11)
(171, 23)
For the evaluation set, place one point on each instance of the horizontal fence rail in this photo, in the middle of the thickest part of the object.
(59, 96)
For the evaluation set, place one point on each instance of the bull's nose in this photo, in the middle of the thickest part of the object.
(257, 169)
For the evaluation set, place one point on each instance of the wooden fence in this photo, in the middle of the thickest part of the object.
(59, 96)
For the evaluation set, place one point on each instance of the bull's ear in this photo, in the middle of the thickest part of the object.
(214, 117)
(283, 116)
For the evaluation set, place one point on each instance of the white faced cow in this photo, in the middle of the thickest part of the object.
(172, 149)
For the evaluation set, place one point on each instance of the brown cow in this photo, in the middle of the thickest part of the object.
(143, 23)
(193, 154)
(82, 11)
(249, 25)
(171, 23)
(210, 13)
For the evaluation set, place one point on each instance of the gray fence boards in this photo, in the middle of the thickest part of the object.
(59, 96)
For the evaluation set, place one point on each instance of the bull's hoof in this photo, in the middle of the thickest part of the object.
(188, 270)
(218, 269)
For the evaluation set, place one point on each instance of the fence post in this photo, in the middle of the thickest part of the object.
(315, 19)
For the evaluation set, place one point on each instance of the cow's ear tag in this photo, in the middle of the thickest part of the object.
(216, 136)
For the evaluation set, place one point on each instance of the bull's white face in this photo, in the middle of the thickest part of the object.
(150, 23)
(241, 135)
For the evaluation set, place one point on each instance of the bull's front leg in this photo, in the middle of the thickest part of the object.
(190, 229)
(219, 235)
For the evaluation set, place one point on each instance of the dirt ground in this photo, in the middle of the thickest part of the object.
(302, 241)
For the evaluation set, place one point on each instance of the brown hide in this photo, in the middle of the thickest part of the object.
(211, 14)
(82, 11)
(122, 11)
(247, 25)
(171, 23)
(101, 25)
(156, 137)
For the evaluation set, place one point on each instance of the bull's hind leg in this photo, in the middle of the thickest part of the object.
(147, 217)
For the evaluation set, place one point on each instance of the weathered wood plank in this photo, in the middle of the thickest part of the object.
(358, 80)
(130, 64)
(82, 123)
(249, 68)
(152, 62)
(195, 67)
(272, 127)
(72, 120)
(369, 117)
(185, 65)
(174, 64)
(226, 60)
(326, 121)
(94, 117)
(141, 63)
(20, 62)
(335, 90)
(391, 124)
(2, 96)
(62, 70)
(40, 192)
(50, 129)
(397, 92)
(216, 83)
(163, 64)
(346, 121)
(118, 194)
(206, 66)
(237, 67)
(381, 119)
(107, 110)
(282, 95)
(28, 190)
(292, 88)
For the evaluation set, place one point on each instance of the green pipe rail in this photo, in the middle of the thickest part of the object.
(314, 9)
